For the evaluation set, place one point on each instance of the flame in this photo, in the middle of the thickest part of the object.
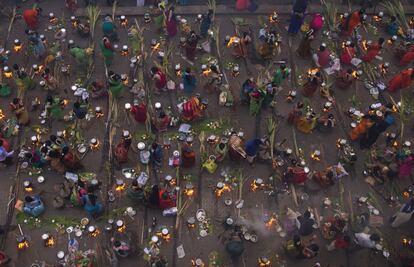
(376, 18)
(264, 263)
(96, 146)
(364, 45)
(121, 229)
(189, 192)
(220, 191)
(28, 189)
(313, 71)
(271, 221)
(99, 114)
(8, 74)
(50, 242)
(23, 245)
(124, 23)
(232, 40)
(2, 116)
(95, 233)
(406, 194)
(17, 47)
(315, 157)
(125, 82)
(156, 47)
(256, 186)
(193, 263)
(206, 72)
(120, 188)
(166, 237)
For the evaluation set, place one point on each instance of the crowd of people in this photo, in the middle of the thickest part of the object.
(335, 70)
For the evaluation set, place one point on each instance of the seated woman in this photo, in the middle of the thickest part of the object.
(83, 29)
(236, 147)
(344, 79)
(33, 206)
(306, 123)
(71, 160)
(188, 156)
(192, 109)
(120, 247)
(136, 193)
(326, 123)
(166, 200)
(324, 178)
(161, 122)
(91, 204)
(295, 175)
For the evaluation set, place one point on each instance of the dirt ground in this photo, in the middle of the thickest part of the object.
(256, 204)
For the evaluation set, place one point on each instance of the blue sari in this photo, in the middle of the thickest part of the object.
(190, 83)
(295, 23)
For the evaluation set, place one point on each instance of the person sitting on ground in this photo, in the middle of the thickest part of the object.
(306, 224)
(136, 193)
(366, 240)
(5, 154)
(33, 206)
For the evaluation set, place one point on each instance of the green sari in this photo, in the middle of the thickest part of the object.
(107, 53)
(115, 87)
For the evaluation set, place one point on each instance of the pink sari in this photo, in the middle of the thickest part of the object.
(171, 25)
(406, 167)
(242, 4)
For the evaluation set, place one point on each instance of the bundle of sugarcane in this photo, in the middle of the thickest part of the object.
(330, 12)
(93, 13)
(271, 132)
(395, 8)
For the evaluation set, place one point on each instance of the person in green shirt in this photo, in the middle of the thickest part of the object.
(115, 84)
(281, 74)
(108, 28)
(80, 56)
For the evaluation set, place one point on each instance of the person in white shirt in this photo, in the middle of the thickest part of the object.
(366, 240)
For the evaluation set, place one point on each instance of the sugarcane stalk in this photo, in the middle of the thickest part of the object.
(10, 25)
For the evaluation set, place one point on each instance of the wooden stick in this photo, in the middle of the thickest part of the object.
(10, 26)
(295, 197)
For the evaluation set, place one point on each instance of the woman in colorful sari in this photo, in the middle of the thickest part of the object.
(191, 46)
(307, 123)
(108, 28)
(344, 79)
(189, 81)
(247, 87)
(51, 82)
(115, 84)
(401, 80)
(256, 100)
(206, 23)
(241, 49)
(373, 50)
(71, 160)
(23, 81)
(171, 22)
(159, 78)
(352, 22)
(408, 56)
(136, 193)
(54, 159)
(188, 156)
(312, 85)
(317, 22)
(19, 110)
(31, 17)
(348, 53)
(361, 128)
(107, 50)
(54, 107)
(139, 111)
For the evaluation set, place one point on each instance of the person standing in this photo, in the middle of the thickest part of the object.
(171, 22)
(31, 17)
(5, 156)
(107, 50)
(115, 84)
(189, 82)
(252, 147)
(20, 111)
(206, 23)
(160, 79)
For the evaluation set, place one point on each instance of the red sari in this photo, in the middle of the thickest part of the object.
(30, 16)
(407, 58)
(140, 112)
(347, 55)
(350, 24)
(171, 24)
(400, 81)
(162, 81)
(372, 52)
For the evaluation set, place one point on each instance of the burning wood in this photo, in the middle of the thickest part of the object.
(221, 188)
(233, 39)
